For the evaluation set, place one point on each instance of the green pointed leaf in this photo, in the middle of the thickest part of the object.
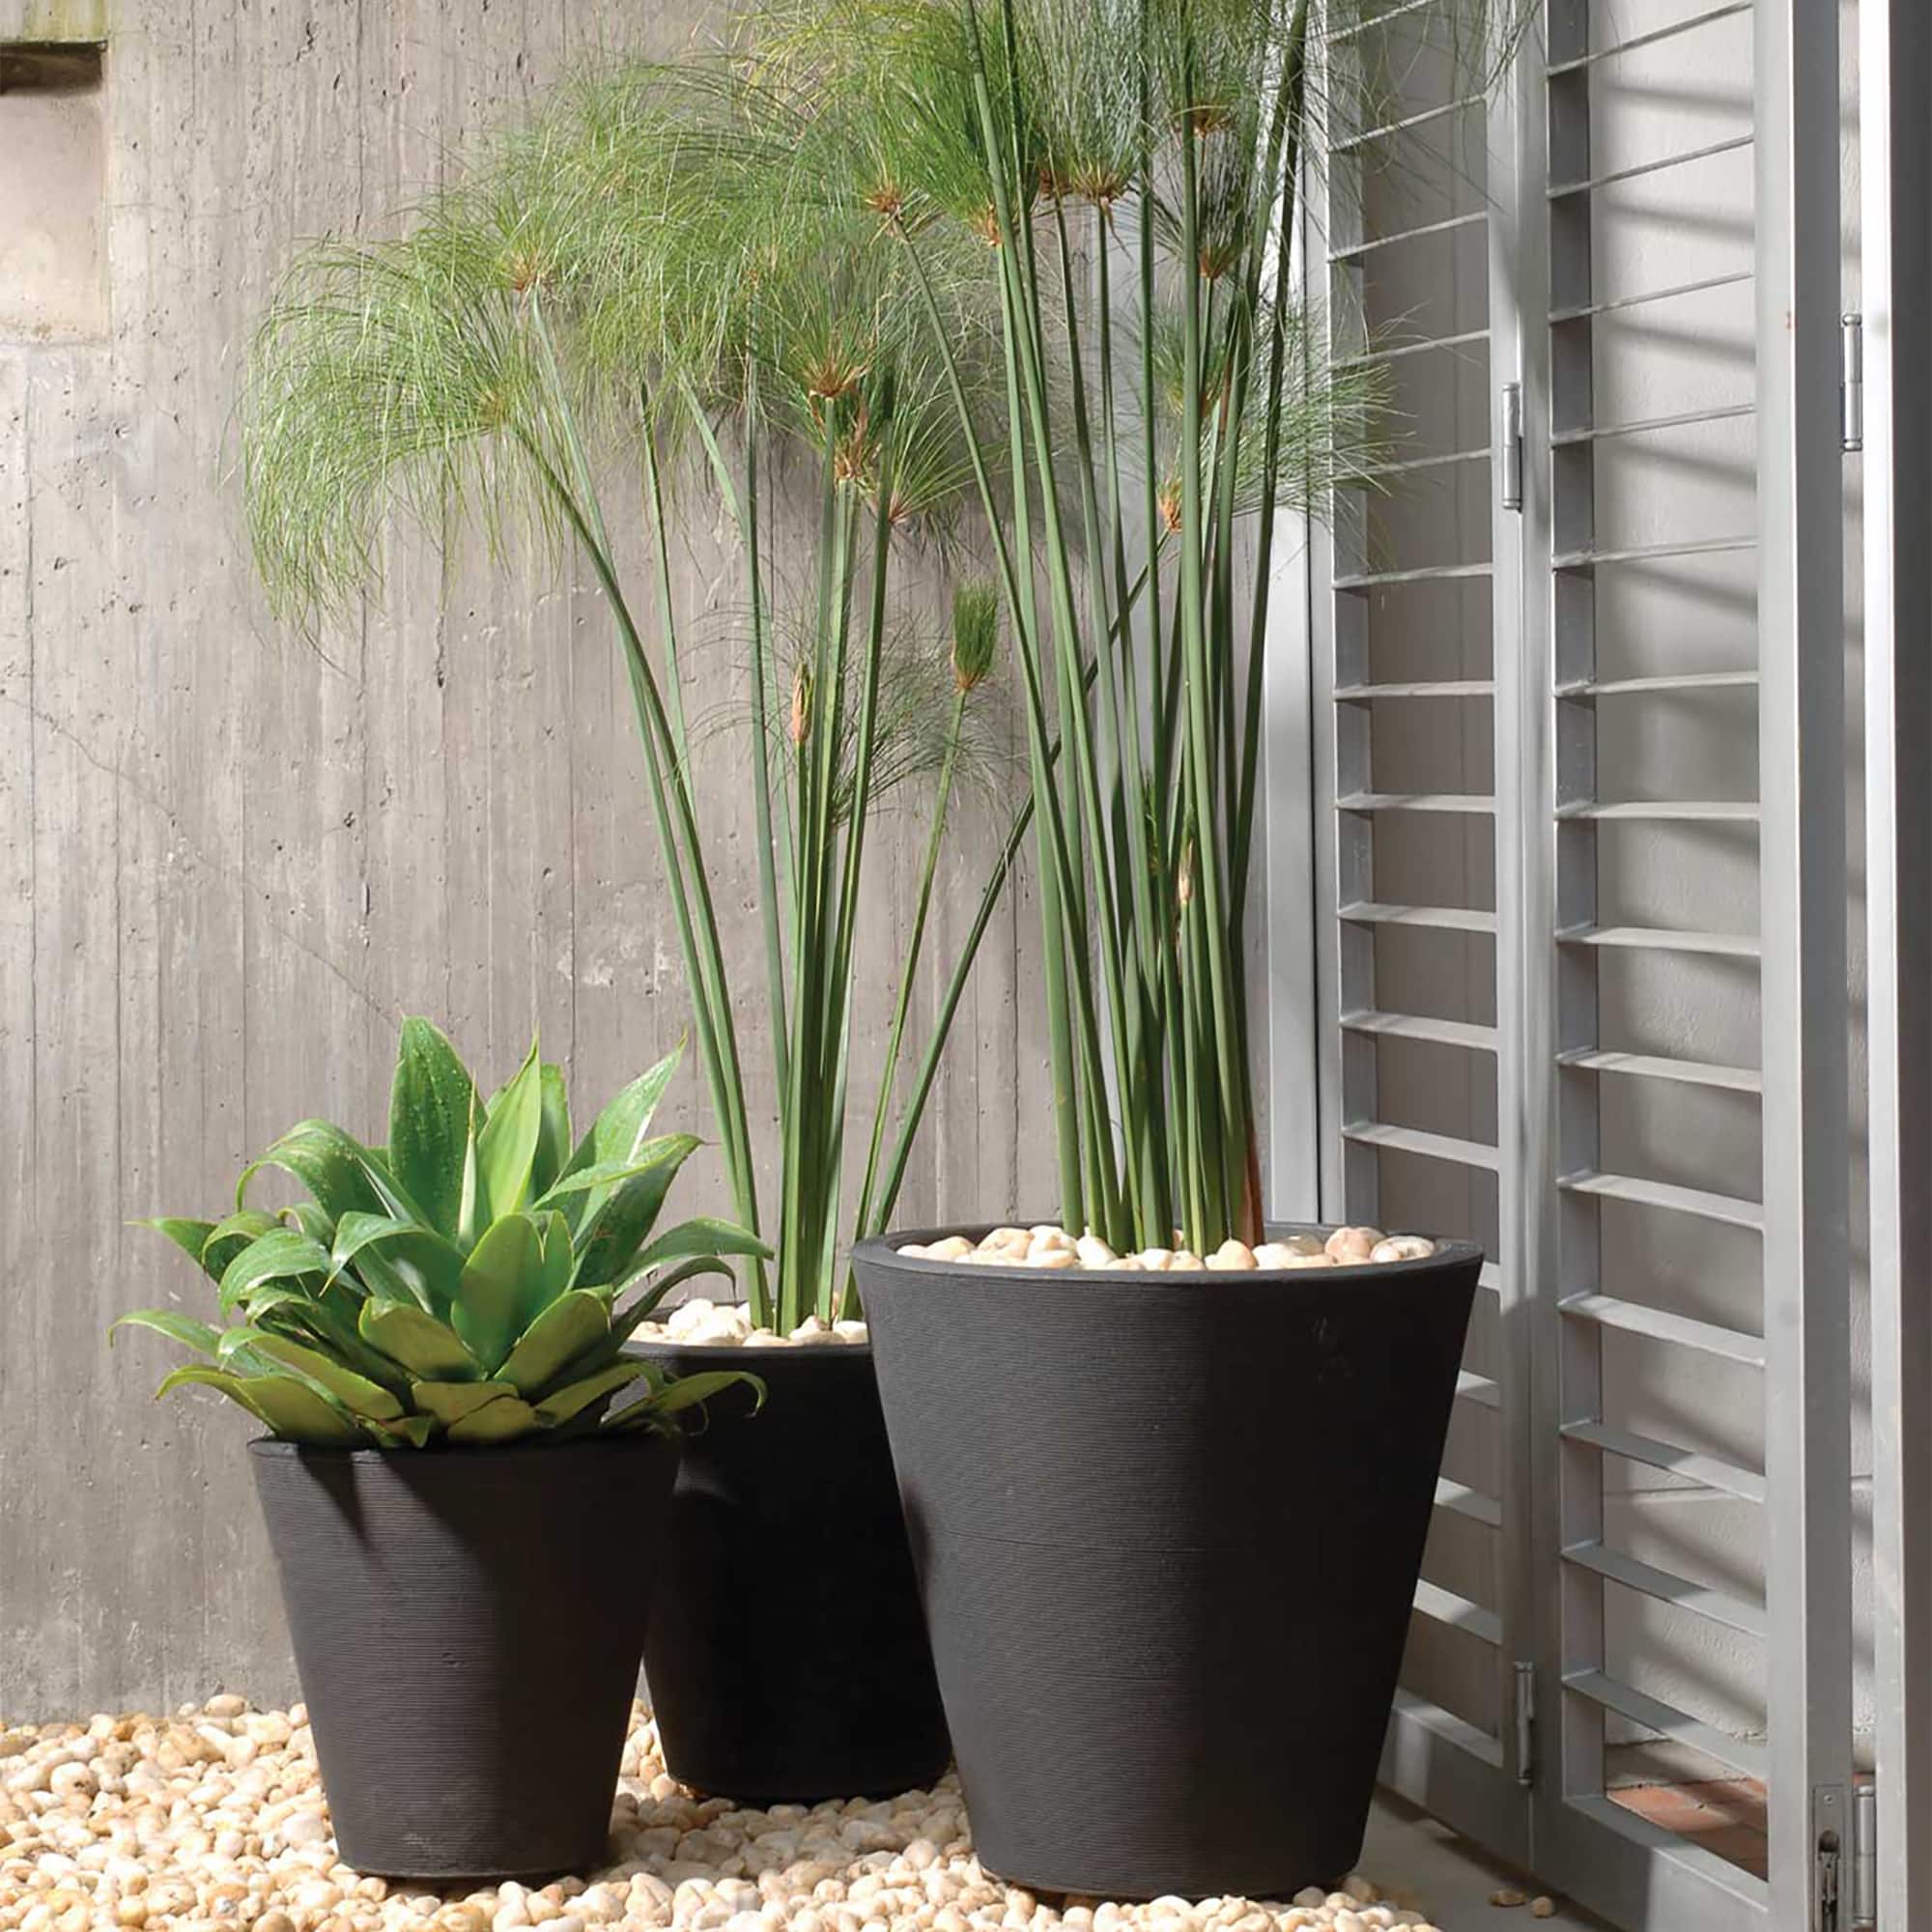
(506, 1148)
(498, 1279)
(615, 1225)
(356, 1393)
(500, 1421)
(671, 1148)
(553, 1277)
(450, 1402)
(229, 1237)
(625, 1123)
(189, 1235)
(326, 1320)
(287, 1407)
(281, 1255)
(339, 1172)
(623, 1326)
(564, 1403)
(398, 1259)
(314, 1220)
(415, 1430)
(700, 1235)
(425, 1346)
(621, 1130)
(181, 1328)
(552, 1133)
(570, 1326)
(430, 1106)
(688, 1391)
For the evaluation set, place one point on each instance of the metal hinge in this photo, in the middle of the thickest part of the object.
(1512, 445)
(1852, 381)
(1525, 1723)
(1865, 1858)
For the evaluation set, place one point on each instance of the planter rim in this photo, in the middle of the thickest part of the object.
(883, 1251)
(725, 1353)
(444, 1452)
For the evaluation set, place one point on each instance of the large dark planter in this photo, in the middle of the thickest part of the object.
(467, 1627)
(1168, 1529)
(787, 1659)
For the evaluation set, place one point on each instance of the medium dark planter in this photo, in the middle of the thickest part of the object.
(787, 1659)
(1168, 1529)
(468, 1628)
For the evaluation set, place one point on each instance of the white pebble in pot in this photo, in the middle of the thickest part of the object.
(1347, 1247)
(1403, 1248)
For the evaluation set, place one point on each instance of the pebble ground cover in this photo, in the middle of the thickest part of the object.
(213, 1818)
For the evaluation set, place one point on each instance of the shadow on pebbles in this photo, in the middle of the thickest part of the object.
(213, 1818)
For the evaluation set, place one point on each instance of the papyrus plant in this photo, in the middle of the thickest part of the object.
(1133, 170)
(620, 279)
(461, 1284)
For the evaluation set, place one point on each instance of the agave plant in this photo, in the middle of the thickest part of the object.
(461, 1284)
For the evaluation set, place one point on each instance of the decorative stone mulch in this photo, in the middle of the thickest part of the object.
(213, 1818)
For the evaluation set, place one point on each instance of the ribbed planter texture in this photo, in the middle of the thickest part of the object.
(787, 1659)
(467, 1627)
(1168, 1529)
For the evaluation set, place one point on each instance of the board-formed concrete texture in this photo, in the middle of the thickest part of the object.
(231, 860)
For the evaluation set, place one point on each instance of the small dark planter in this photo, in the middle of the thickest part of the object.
(787, 1659)
(1168, 1529)
(467, 1627)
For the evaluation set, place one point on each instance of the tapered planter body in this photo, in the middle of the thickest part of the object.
(787, 1659)
(467, 1627)
(1168, 1529)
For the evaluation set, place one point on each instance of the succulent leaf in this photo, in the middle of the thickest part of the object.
(340, 1173)
(182, 1328)
(282, 1254)
(571, 1326)
(415, 1430)
(314, 1220)
(553, 1275)
(290, 1409)
(617, 1219)
(553, 1132)
(621, 1130)
(506, 1149)
(450, 1402)
(488, 1311)
(690, 1389)
(501, 1420)
(565, 1403)
(229, 1235)
(430, 1106)
(356, 1393)
(191, 1237)
(702, 1235)
(362, 1319)
(420, 1343)
(398, 1259)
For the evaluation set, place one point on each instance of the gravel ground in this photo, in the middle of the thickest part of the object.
(213, 1818)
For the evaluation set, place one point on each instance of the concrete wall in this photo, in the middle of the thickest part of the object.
(230, 863)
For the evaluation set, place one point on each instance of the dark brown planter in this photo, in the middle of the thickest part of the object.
(1168, 1529)
(468, 1628)
(787, 1659)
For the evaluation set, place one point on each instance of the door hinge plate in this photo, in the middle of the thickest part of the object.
(1865, 1858)
(1512, 446)
(1852, 381)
